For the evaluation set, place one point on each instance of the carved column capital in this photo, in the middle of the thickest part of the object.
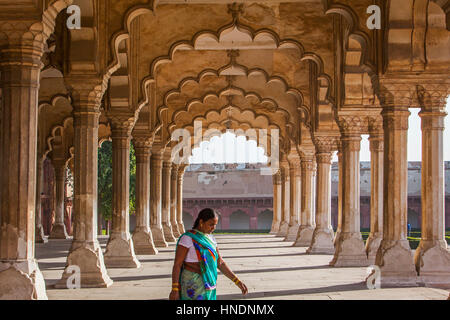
(352, 125)
(142, 147)
(395, 93)
(174, 175)
(433, 119)
(277, 177)
(376, 143)
(395, 119)
(433, 96)
(326, 144)
(121, 124)
(375, 125)
(86, 93)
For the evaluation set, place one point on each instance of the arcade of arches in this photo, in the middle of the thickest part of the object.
(142, 69)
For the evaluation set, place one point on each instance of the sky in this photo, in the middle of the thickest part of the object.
(229, 149)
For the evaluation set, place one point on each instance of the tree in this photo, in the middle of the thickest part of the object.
(105, 190)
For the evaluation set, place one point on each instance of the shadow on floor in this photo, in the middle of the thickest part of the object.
(287, 246)
(280, 293)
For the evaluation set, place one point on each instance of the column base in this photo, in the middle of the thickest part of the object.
(181, 228)
(58, 232)
(158, 237)
(350, 251)
(176, 233)
(88, 257)
(292, 233)
(304, 236)
(322, 242)
(337, 235)
(21, 280)
(284, 227)
(143, 242)
(395, 259)
(372, 245)
(120, 252)
(275, 227)
(40, 236)
(168, 235)
(432, 260)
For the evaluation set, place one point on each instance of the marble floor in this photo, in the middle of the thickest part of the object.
(271, 268)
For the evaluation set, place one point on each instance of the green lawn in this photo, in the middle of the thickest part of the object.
(414, 237)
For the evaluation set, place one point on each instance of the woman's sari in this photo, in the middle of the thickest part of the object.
(193, 285)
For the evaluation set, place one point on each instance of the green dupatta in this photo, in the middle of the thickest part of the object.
(207, 256)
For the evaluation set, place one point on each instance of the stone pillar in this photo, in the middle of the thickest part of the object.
(85, 252)
(20, 64)
(307, 226)
(350, 250)
(376, 195)
(294, 199)
(155, 198)
(142, 235)
(165, 200)
(323, 236)
(120, 250)
(276, 203)
(285, 186)
(180, 224)
(173, 201)
(40, 237)
(432, 258)
(340, 195)
(59, 228)
(394, 256)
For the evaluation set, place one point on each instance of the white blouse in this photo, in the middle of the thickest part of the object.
(186, 242)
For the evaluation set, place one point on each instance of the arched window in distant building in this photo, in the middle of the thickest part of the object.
(239, 220)
(188, 221)
(265, 220)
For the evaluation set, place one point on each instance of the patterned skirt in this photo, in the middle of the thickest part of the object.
(192, 286)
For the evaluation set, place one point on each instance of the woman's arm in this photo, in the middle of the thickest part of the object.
(179, 259)
(223, 267)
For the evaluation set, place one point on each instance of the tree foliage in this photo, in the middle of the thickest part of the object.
(105, 190)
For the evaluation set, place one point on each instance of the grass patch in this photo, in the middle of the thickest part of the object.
(413, 238)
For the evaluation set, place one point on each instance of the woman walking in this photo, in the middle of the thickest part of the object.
(197, 258)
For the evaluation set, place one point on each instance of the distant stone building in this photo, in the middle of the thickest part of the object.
(239, 192)
(244, 197)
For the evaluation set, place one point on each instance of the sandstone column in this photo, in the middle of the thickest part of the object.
(394, 256)
(376, 194)
(307, 226)
(20, 64)
(155, 197)
(165, 199)
(432, 258)
(180, 224)
(350, 250)
(40, 237)
(340, 195)
(59, 228)
(294, 199)
(85, 253)
(120, 250)
(142, 235)
(276, 202)
(173, 201)
(285, 186)
(323, 236)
